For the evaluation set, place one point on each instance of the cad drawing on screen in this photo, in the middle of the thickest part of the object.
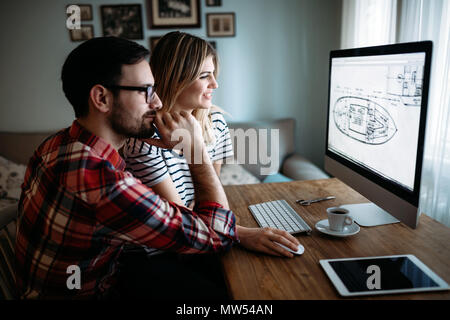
(364, 120)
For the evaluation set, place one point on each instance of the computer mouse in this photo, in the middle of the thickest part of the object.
(300, 249)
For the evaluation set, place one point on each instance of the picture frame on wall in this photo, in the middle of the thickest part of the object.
(85, 12)
(168, 14)
(124, 21)
(213, 3)
(86, 32)
(153, 41)
(221, 24)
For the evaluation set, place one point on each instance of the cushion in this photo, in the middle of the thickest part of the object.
(277, 177)
(232, 174)
(11, 178)
(300, 168)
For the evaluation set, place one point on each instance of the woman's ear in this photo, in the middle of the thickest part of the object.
(101, 98)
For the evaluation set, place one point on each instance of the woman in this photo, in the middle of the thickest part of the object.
(185, 69)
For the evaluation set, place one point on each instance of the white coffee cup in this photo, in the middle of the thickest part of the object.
(338, 218)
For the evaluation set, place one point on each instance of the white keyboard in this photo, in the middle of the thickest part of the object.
(280, 215)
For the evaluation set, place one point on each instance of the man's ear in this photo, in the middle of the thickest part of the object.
(101, 98)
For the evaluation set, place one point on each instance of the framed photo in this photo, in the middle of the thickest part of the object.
(168, 14)
(221, 24)
(85, 33)
(153, 41)
(123, 21)
(85, 11)
(213, 3)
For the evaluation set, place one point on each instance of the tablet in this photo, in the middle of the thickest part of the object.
(381, 275)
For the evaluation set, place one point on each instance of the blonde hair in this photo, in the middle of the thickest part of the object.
(176, 62)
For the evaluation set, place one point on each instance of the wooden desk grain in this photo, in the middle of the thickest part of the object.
(251, 275)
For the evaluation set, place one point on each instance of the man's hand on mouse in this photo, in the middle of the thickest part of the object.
(264, 240)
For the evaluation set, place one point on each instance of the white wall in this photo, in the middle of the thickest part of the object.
(276, 66)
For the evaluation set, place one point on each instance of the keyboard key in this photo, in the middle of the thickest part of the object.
(280, 215)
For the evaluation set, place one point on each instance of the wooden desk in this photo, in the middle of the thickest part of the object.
(251, 275)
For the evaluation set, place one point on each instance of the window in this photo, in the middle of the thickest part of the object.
(377, 22)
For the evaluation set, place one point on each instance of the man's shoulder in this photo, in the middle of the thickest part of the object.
(72, 161)
(61, 147)
(84, 172)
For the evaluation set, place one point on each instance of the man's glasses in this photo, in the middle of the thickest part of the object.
(149, 91)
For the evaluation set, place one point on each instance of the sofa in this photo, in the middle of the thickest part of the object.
(273, 137)
(274, 140)
(17, 148)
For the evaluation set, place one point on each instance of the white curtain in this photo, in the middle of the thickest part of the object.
(435, 188)
(406, 21)
(368, 23)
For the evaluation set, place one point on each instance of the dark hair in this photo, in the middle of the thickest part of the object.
(96, 61)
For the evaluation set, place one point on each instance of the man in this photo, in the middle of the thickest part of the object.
(79, 208)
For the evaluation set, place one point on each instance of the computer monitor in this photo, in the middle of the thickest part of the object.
(377, 111)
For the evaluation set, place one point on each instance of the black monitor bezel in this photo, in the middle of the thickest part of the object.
(412, 47)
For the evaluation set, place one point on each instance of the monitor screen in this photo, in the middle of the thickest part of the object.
(375, 106)
(377, 112)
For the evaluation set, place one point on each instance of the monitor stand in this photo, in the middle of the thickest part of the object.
(369, 214)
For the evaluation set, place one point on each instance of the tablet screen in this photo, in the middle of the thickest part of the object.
(395, 273)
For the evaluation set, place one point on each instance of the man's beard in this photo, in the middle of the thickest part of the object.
(125, 124)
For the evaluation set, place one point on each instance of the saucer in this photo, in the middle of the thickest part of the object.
(350, 230)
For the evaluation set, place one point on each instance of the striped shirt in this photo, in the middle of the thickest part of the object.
(79, 208)
(152, 164)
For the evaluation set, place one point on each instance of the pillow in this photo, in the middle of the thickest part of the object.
(277, 177)
(232, 174)
(11, 178)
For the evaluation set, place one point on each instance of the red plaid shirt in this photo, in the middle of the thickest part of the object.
(79, 207)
